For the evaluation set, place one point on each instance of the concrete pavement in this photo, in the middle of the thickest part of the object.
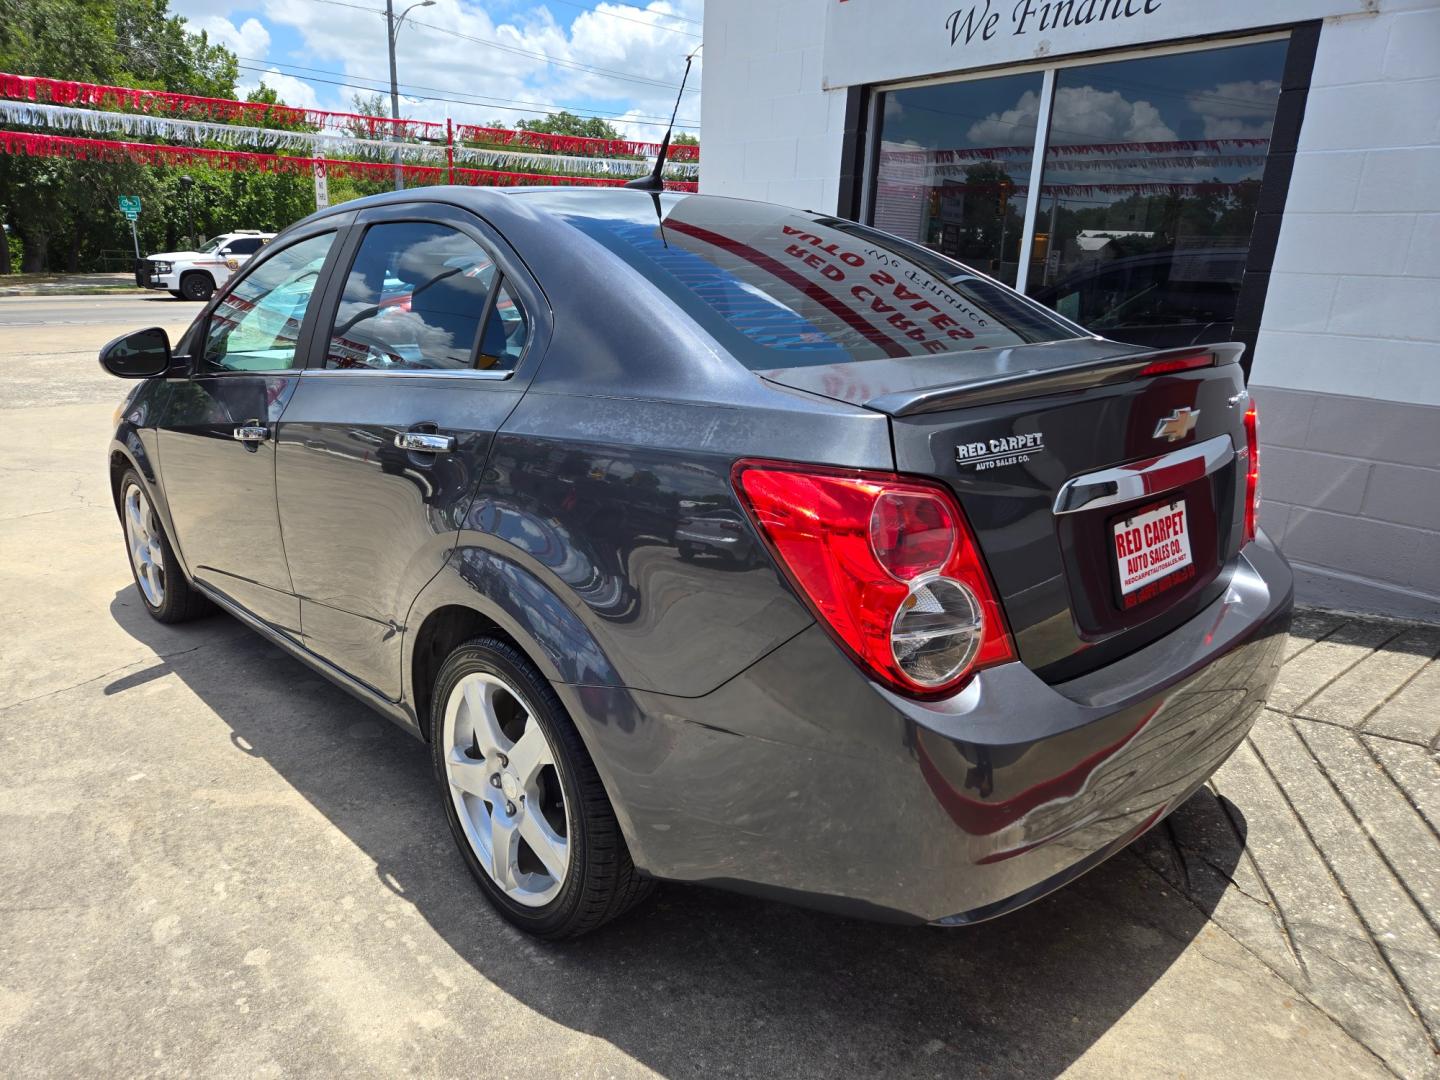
(212, 862)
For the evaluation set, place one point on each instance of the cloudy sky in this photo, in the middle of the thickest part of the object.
(473, 60)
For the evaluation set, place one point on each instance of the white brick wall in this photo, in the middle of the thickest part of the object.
(769, 130)
(1357, 270)
(1347, 367)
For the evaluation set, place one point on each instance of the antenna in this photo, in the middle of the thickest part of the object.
(655, 182)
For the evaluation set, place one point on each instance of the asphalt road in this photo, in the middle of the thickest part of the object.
(214, 863)
(127, 309)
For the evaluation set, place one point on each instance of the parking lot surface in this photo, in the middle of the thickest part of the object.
(214, 863)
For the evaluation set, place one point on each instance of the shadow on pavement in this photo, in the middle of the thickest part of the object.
(703, 982)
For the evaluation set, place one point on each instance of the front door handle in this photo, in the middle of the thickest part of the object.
(425, 442)
(252, 433)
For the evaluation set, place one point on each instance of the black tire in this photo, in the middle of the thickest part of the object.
(602, 882)
(197, 285)
(686, 551)
(179, 602)
(176, 293)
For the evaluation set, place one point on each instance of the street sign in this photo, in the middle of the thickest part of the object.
(130, 204)
(131, 215)
(322, 188)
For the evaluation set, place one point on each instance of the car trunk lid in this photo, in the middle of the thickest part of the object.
(1055, 452)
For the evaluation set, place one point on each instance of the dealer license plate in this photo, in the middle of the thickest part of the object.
(1152, 552)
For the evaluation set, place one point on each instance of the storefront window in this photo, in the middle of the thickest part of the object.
(954, 162)
(1152, 171)
(1152, 175)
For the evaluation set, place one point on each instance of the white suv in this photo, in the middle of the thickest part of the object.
(195, 275)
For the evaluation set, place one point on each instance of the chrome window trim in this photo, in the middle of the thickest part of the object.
(1126, 483)
(410, 373)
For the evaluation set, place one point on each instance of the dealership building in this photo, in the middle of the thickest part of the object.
(1166, 172)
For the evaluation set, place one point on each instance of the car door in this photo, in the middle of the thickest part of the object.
(216, 434)
(425, 347)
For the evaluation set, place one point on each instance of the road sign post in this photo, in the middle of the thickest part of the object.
(322, 187)
(130, 207)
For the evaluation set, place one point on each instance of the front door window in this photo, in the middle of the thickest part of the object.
(256, 325)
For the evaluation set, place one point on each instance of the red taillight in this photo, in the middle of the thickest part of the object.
(1252, 472)
(1177, 363)
(888, 565)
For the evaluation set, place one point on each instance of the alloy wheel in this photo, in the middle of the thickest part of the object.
(142, 536)
(505, 788)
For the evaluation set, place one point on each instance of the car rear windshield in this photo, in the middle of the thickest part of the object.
(781, 288)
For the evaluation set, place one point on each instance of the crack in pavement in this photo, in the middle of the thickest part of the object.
(106, 674)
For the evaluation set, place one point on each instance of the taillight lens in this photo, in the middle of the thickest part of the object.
(1177, 363)
(1252, 472)
(888, 565)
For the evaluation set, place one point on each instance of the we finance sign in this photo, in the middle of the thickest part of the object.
(873, 41)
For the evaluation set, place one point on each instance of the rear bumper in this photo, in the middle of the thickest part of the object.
(802, 780)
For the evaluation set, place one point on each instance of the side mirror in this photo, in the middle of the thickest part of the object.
(141, 355)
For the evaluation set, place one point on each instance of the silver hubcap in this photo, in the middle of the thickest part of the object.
(505, 789)
(142, 534)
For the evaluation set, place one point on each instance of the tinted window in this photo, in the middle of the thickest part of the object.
(415, 298)
(1152, 176)
(953, 167)
(782, 288)
(245, 245)
(506, 331)
(256, 324)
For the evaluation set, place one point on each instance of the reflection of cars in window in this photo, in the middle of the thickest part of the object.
(1162, 299)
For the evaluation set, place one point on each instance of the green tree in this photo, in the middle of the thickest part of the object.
(122, 42)
(567, 123)
(683, 138)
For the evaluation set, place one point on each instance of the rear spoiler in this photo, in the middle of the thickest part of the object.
(1039, 382)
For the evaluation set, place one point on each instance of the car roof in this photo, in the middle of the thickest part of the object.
(561, 205)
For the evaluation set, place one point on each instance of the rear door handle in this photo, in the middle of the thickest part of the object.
(252, 433)
(425, 442)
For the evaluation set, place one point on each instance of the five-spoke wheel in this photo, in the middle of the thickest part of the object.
(505, 789)
(167, 594)
(523, 797)
(142, 536)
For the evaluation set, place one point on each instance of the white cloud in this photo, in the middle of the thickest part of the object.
(250, 38)
(1237, 110)
(290, 89)
(441, 53)
(1081, 114)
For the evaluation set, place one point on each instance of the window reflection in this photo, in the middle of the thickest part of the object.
(1151, 180)
(954, 163)
(414, 298)
(1152, 176)
(256, 325)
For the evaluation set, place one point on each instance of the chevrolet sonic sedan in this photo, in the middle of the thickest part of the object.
(713, 541)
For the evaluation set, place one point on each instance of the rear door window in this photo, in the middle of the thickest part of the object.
(416, 298)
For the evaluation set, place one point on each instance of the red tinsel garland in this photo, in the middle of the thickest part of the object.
(189, 106)
(572, 144)
(76, 149)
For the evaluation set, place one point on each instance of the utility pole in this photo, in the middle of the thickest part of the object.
(392, 28)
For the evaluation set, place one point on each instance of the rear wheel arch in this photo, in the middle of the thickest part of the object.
(443, 631)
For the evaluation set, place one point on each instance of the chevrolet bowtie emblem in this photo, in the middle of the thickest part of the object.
(1178, 424)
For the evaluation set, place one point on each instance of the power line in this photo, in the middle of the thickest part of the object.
(265, 67)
